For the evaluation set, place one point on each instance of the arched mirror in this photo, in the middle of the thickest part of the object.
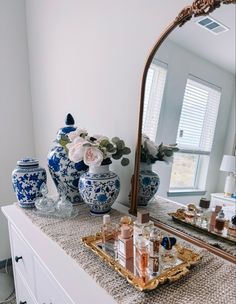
(188, 99)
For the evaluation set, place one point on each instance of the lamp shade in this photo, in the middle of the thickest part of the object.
(228, 163)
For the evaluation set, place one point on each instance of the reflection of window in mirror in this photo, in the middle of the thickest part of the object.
(195, 135)
(155, 85)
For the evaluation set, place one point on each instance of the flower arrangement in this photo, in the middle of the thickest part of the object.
(150, 152)
(95, 150)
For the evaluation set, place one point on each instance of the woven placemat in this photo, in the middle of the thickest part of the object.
(211, 281)
(159, 209)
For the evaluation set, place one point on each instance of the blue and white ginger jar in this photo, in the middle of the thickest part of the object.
(99, 188)
(27, 179)
(61, 168)
(149, 182)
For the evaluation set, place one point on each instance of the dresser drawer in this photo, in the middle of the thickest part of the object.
(22, 292)
(22, 257)
(48, 291)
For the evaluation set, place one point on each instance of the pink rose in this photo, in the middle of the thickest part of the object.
(93, 156)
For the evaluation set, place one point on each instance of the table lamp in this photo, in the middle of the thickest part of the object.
(228, 164)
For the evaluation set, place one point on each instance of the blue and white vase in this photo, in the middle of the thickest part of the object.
(27, 179)
(62, 169)
(149, 182)
(99, 188)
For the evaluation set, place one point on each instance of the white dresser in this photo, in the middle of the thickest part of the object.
(43, 272)
(228, 203)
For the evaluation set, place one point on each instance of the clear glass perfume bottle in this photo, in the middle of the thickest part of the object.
(220, 222)
(168, 252)
(142, 226)
(142, 255)
(107, 231)
(154, 246)
(125, 243)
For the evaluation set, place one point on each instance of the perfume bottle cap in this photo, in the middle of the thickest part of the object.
(106, 219)
(125, 232)
(143, 217)
(168, 242)
(233, 220)
(221, 215)
(126, 220)
(154, 233)
(142, 242)
(204, 203)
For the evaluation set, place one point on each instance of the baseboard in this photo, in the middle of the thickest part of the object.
(4, 262)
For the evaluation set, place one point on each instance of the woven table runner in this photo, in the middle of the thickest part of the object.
(210, 281)
(159, 209)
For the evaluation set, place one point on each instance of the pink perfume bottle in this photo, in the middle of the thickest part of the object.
(125, 243)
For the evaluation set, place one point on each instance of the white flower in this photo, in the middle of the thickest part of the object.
(76, 149)
(77, 133)
(93, 156)
(144, 139)
(151, 147)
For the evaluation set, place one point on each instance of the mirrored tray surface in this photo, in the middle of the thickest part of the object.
(205, 228)
(128, 269)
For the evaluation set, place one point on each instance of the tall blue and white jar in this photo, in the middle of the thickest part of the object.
(99, 188)
(149, 182)
(63, 170)
(27, 179)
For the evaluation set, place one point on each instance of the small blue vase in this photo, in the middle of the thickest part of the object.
(27, 179)
(99, 188)
(63, 170)
(149, 182)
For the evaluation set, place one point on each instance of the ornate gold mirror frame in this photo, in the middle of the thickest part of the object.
(198, 8)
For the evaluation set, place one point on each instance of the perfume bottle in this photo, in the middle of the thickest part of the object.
(142, 226)
(220, 222)
(232, 227)
(168, 252)
(154, 245)
(107, 229)
(142, 255)
(125, 243)
(214, 213)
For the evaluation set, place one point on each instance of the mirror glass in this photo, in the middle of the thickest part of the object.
(190, 100)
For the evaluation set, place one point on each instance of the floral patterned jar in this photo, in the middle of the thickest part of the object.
(61, 168)
(27, 179)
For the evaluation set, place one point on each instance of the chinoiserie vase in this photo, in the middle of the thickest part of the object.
(149, 182)
(63, 170)
(27, 179)
(99, 188)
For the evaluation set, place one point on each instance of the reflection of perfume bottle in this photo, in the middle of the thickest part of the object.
(232, 227)
(142, 254)
(107, 229)
(125, 243)
(154, 244)
(142, 225)
(220, 222)
(168, 252)
(214, 213)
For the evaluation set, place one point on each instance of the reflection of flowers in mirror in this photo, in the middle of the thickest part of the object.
(95, 150)
(150, 152)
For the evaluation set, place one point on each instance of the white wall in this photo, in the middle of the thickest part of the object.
(87, 58)
(15, 103)
(181, 63)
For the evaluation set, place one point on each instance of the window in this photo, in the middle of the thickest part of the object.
(155, 84)
(195, 134)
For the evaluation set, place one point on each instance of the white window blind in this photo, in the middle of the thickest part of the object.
(198, 116)
(155, 84)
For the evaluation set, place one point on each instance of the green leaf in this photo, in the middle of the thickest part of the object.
(110, 148)
(115, 140)
(120, 144)
(104, 142)
(117, 155)
(126, 151)
(124, 161)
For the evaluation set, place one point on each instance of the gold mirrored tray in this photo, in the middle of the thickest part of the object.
(197, 225)
(127, 268)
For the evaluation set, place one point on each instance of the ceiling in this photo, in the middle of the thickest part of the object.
(218, 49)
